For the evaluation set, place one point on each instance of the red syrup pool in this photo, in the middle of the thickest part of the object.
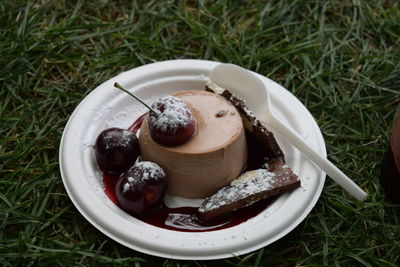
(184, 219)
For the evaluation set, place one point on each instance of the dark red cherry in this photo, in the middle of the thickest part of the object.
(116, 150)
(141, 189)
(173, 124)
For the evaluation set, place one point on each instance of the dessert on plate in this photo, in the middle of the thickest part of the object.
(196, 144)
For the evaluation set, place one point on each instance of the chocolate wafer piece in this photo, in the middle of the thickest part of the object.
(272, 179)
(250, 187)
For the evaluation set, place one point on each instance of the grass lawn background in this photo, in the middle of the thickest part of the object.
(340, 58)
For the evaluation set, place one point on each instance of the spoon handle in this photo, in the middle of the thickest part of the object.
(328, 167)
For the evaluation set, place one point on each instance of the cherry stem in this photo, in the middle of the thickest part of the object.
(117, 85)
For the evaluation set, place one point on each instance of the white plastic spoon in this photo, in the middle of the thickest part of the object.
(248, 86)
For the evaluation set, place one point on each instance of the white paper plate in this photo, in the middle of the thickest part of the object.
(106, 107)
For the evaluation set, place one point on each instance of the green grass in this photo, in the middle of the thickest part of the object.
(340, 58)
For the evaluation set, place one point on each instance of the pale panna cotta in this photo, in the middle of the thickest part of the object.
(212, 158)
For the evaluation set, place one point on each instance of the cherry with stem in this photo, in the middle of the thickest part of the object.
(171, 121)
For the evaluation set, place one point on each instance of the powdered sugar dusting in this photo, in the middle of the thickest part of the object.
(126, 187)
(130, 183)
(150, 170)
(249, 183)
(126, 138)
(261, 176)
(213, 86)
(174, 114)
(111, 138)
(141, 172)
(249, 114)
